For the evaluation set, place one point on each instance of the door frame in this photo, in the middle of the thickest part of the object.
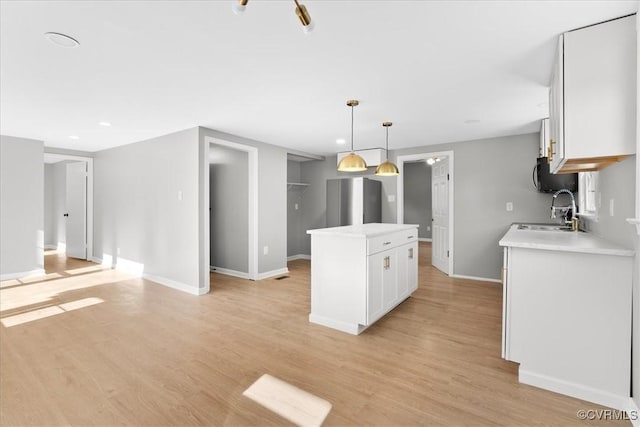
(89, 203)
(400, 161)
(252, 225)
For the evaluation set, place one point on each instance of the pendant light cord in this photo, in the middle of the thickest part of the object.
(386, 152)
(352, 129)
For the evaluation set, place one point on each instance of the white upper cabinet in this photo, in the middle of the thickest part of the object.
(544, 138)
(592, 100)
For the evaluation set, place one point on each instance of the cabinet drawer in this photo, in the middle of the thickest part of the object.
(392, 240)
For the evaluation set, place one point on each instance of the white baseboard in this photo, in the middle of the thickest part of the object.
(273, 273)
(483, 279)
(21, 275)
(350, 328)
(425, 239)
(634, 413)
(228, 272)
(175, 285)
(578, 391)
(299, 256)
(96, 260)
(50, 246)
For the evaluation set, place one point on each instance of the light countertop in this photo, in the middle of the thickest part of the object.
(567, 241)
(363, 230)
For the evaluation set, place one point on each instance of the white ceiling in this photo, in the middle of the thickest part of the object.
(155, 67)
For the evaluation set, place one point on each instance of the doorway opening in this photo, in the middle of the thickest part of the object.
(232, 201)
(68, 215)
(442, 197)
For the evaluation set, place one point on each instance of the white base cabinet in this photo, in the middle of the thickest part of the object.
(567, 321)
(359, 273)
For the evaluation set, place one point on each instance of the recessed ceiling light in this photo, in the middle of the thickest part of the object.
(74, 137)
(471, 122)
(105, 124)
(61, 40)
(340, 141)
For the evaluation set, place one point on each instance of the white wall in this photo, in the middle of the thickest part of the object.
(21, 206)
(138, 215)
(48, 207)
(55, 225)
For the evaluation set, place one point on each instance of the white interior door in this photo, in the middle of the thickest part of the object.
(440, 212)
(76, 212)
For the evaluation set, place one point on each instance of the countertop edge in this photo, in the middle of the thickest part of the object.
(592, 244)
(340, 231)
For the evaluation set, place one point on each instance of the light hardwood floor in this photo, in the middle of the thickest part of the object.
(144, 354)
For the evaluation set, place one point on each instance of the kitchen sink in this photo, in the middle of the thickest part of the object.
(544, 227)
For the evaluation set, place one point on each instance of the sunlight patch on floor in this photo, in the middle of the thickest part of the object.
(42, 313)
(298, 406)
(40, 292)
(83, 270)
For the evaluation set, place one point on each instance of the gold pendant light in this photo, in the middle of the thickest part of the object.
(239, 6)
(352, 162)
(387, 168)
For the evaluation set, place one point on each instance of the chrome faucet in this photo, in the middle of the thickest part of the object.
(573, 220)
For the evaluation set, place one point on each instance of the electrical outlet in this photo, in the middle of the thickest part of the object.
(509, 206)
(391, 198)
(265, 250)
(296, 206)
(179, 194)
(428, 228)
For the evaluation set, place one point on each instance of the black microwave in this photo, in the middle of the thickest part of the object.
(547, 182)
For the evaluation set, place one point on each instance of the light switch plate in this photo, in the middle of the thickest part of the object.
(391, 198)
(509, 206)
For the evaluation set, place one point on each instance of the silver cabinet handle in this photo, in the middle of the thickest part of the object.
(410, 237)
(386, 243)
(410, 253)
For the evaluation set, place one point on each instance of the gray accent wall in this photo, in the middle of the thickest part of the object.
(146, 206)
(487, 174)
(229, 203)
(618, 182)
(21, 205)
(296, 195)
(272, 199)
(417, 196)
(314, 210)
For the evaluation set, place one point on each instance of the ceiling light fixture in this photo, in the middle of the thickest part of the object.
(74, 137)
(308, 25)
(105, 124)
(305, 19)
(433, 160)
(352, 162)
(387, 168)
(340, 141)
(61, 40)
(239, 7)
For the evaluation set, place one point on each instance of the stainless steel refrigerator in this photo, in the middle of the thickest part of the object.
(353, 201)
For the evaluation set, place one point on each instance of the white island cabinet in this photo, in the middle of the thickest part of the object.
(567, 313)
(360, 272)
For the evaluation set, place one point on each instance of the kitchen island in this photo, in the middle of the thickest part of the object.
(360, 272)
(567, 313)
